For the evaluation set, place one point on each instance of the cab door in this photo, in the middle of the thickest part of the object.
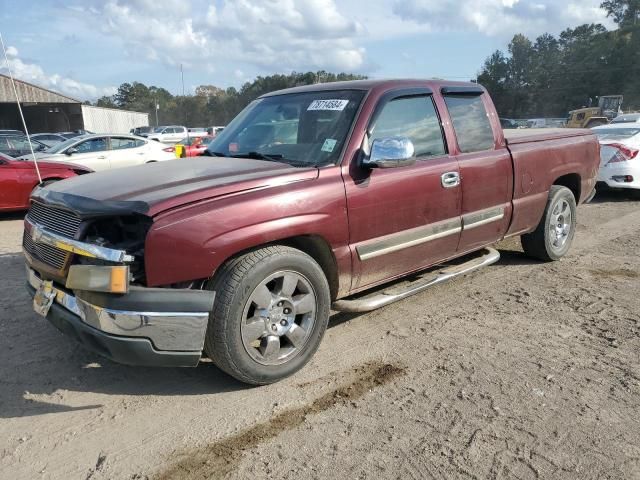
(486, 169)
(406, 218)
(91, 153)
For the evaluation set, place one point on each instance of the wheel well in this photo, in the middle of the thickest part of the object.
(314, 246)
(572, 182)
(318, 249)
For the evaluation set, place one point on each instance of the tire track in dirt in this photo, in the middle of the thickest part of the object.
(219, 458)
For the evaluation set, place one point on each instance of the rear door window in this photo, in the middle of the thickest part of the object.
(118, 143)
(470, 122)
(414, 118)
(93, 145)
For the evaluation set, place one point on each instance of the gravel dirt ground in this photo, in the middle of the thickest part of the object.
(522, 370)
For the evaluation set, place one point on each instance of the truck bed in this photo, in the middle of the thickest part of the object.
(526, 135)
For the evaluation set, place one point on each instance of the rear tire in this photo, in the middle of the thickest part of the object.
(552, 239)
(270, 313)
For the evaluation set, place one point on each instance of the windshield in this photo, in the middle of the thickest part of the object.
(616, 133)
(306, 129)
(62, 146)
(158, 129)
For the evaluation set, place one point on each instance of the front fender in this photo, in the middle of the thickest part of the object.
(191, 243)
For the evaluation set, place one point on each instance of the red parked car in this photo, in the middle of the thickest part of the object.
(18, 178)
(193, 146)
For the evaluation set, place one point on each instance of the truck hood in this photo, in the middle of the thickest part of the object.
(156, 187)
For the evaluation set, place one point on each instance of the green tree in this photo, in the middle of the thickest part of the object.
(624, 12)
(210, 105)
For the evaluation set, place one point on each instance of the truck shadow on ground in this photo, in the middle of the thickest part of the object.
(39, 366)
(607, 195)
(12, 216)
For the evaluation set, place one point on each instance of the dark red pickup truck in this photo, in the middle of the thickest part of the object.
(312, 198)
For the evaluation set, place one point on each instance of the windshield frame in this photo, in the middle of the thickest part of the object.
(229, 131)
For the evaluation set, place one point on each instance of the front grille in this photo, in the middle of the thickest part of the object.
(50, 255)
(57, 220)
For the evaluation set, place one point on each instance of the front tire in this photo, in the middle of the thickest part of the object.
(270, 313)
(552, 239)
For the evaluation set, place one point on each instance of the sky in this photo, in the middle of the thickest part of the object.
(86, 48)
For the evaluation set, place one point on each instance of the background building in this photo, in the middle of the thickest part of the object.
(49, 111)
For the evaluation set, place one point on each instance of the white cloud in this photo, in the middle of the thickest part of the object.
(282, 35)
(33, 73)
(499, 17)
(233, 39)
(279, 34)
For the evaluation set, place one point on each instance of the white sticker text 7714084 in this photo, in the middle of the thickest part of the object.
(328, 105)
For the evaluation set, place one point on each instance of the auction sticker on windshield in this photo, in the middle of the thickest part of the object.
(329, 145)
(337, 105)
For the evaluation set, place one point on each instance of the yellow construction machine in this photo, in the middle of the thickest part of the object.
(608, 108)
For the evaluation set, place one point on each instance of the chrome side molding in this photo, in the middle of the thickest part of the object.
(408, 238)
(482, 217)
(416, 236)
(373, 301)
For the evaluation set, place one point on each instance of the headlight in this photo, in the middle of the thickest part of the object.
(99, 278)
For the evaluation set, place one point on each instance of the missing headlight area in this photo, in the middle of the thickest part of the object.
(126, 233)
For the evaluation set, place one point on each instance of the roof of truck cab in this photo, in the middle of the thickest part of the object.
(367, 85)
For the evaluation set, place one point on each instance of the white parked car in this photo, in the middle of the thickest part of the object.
(104, 152)
(170, 134)
(627, 118)
(619, 155)
(49, 139)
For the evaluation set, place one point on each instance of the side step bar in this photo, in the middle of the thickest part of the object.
(372, 301)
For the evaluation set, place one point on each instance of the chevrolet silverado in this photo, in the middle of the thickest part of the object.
(345, 196)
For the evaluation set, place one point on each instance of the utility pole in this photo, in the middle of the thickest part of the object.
(183, 99)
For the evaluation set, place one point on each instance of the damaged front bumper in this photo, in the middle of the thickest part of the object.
(147, 326)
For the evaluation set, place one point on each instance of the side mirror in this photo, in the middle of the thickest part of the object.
(71, 151)
(391, 152)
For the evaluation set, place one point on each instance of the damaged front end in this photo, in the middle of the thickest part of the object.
(85, 269)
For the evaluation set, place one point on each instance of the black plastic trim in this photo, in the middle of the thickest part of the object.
(462, 90)
(87, 207)
(142, 299)
(125, 350)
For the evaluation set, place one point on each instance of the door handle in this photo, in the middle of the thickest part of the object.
(101, 157)
(450, 179)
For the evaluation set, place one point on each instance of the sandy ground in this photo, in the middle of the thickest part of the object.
(522, 370)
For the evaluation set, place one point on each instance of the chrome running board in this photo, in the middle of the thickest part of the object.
(372, 301)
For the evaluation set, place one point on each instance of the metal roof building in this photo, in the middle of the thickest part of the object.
(49, 111)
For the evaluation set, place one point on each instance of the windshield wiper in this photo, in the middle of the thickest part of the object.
(208, 153)
(274, 157)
